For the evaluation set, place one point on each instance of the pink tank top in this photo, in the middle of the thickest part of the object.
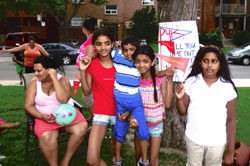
(45, 104)
(83, 51)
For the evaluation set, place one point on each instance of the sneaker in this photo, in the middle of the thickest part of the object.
(140, 163)
(119, 163)
(21, 82)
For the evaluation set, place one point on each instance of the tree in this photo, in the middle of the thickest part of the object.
(144, 24)
(98, 2)
(55, 8)
(174, 125)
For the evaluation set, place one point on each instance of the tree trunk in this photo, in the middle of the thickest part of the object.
(174, 124)
(65, 26)
(177, 10)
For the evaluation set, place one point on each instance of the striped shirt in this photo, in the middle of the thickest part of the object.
(127, 77)
(154, 111)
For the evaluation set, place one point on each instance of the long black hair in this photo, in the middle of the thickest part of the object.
(148, 51)
(50, 62)
(90, 24)
(223, 70)
(104, 32)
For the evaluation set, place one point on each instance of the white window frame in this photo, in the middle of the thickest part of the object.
(111, 11)
(77, 21)
(148, 2)
(78, 1)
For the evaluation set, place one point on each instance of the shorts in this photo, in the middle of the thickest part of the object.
(29, 69)
(20, 69)
(156, 131)
(103, 119)
(88, 100)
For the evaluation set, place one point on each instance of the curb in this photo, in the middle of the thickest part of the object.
(237, 82)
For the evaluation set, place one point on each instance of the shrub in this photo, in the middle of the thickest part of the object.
(241, 37)
(144, 24)
(213, 37)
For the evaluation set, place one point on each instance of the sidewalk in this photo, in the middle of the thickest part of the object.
(237, 82)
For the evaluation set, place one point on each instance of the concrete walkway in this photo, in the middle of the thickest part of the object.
(228, 43)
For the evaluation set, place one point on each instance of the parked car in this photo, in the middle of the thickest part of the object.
(240, 55)
(64, 52)
(19, 38)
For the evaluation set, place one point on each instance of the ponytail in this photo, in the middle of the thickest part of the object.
(152, 71)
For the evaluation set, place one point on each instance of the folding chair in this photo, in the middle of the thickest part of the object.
(31, 123)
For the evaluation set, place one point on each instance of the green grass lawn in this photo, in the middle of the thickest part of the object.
(13, 140)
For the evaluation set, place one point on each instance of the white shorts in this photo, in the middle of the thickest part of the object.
(103, 119)
(197, 153)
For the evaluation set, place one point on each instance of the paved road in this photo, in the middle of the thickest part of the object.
(8, 70)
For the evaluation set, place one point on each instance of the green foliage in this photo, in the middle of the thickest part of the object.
(154, 45)
(53, 7)
(144, 24)
(211, 38)
(13, 140)
(243, 115)
(98, 2)
(241, 37)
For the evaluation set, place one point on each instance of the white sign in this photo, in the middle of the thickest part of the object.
(43, 24)
(178, 45)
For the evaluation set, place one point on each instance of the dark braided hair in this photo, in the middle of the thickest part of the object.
(148, 51)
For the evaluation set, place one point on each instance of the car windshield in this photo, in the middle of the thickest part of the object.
(245, 45)
(71, 45)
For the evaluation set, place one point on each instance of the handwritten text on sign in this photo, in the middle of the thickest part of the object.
(178, 40)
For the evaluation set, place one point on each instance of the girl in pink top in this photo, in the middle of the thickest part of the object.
(87, 49)
(156, 93)
(42, 96)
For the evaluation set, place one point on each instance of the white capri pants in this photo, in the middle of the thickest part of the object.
(196, 153)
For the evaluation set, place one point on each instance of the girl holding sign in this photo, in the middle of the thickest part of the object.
(208, 97)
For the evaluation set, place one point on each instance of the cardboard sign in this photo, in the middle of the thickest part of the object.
(178, 45)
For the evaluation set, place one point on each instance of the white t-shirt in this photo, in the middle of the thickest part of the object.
(207, 112)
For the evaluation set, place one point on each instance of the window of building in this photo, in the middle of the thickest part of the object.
(148, 2)
(78, 1)
(31, 22)
(77, 21)
(111, 10)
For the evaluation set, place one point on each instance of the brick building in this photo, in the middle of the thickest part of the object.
(229, 15)
(23, 22)
(114, 15)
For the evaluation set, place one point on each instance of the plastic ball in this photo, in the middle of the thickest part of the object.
(65, 114)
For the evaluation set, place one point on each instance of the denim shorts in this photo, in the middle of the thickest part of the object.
(156, 131)
(103, 119)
